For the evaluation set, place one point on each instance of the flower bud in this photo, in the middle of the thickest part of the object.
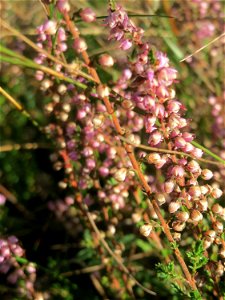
(63, 6)
(104, 171)
(111, 230)
(178, 171)
(222, 252)
(155, 138)
(62, 88)
(127, 104)
(182, 216)
(196, 216)
(121, 174)
(125, 44)
(216, 193)
(160, 199)
(168, 186)
(98, 121)
(63, 116)
(88, 15)
(178, 226)
(173, 106)
(193, 166)
(79, 45)
(62, 184)
(103, 91)
(196, 152)
(203, 205)
(153, 158)
(50, 27)
(45, 84)
(205, 189)
(195, 191)
(173, 207)
(136, 217)
(218, 226)
(66, 107)
(177, 236)
(106, 60)
(207, 244)
(220, 270)
(211, 234)
(145, 229)
(180, 142)
(206, 174)
(217, 209)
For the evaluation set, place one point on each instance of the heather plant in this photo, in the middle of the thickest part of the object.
(124, 190)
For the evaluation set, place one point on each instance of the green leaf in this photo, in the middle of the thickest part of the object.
(145, 246)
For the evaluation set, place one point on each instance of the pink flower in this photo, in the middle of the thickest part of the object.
(2, 199)
(125, 44)
(155, 138)
(88, 15)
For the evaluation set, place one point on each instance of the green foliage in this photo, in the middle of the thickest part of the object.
(166, 272)
(196, 256)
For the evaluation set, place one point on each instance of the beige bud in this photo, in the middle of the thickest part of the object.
(62, 184)
(218, 226)
(111, 230)
(45, 84)
(218, 240)
(210, 234)
(160, 199)
(136, 217)
(207, 174)
(220, 270)
(100, 138)
(63, 116)
(121, 174)
(182, 216)
(173, 207)
(58, 165)
(68, 170)
(66, 107)
(177, 236)
(203, 205)
(207, 244)
(49, 107)
(217, 209)
(62, 144)
(103, 91)
(98, 121)
(222, 253)
(145, 229)
(127, 104)
(205, 189)
(196, 216)
(178, 226)
(216, 193)
(62, 89)
(56, 98)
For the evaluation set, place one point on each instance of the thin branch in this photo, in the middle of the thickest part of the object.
(11, 198)
(20, 108)
(203, 47)
(160, 150)
(27, 146)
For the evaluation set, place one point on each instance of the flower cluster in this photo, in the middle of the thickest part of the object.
(149, 85)
(10, 250)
